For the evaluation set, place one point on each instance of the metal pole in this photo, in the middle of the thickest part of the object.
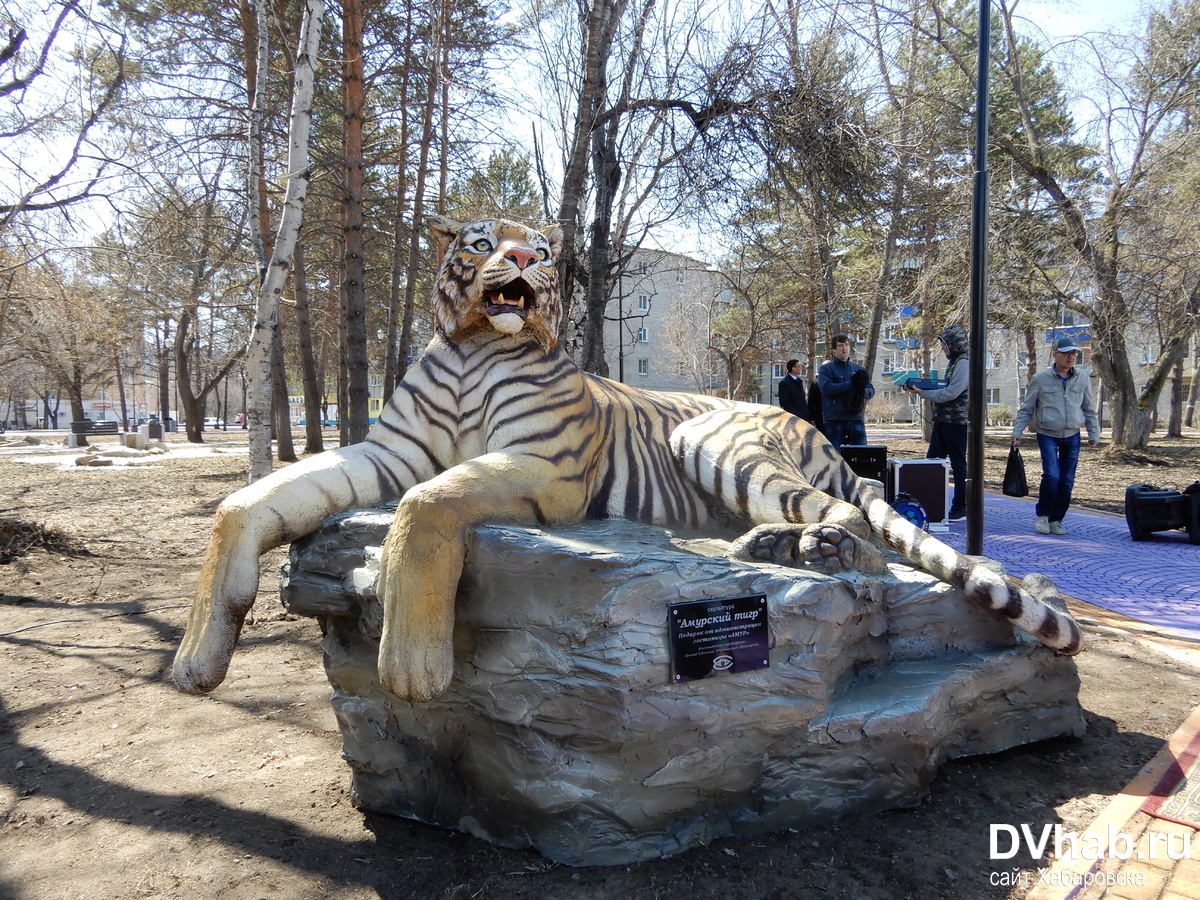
(976, 391)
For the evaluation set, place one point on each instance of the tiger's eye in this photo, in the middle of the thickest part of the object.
(543, 253)
(483, 245)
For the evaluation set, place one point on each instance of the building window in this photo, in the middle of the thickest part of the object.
(992, 361)
(1149, 356)
(680, 276)
(643, 303)
(643, 367)
(993, 396)
(777, 370)
(643, 335)
(1021, 392)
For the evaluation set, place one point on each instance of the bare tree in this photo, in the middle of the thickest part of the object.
(258, 407)
(31, 105)
(1142, 85)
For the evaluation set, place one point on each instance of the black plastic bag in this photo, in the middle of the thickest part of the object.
(1015, 484)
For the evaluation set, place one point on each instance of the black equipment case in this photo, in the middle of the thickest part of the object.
(1149, 509)
(866, 461)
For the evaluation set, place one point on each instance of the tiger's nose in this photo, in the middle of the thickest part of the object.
(521, 257)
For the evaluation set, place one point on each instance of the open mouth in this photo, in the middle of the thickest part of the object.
(515, 297)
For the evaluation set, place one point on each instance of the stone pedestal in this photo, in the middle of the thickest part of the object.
(562, 729)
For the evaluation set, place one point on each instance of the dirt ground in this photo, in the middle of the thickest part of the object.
(114, 785)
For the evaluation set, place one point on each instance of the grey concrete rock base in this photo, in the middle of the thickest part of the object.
(563, 732)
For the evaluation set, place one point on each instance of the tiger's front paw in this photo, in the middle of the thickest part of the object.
(768, 543)
(830, 548)
(834, 549)
(417, 675)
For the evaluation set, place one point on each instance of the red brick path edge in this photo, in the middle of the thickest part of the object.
(1138, 877)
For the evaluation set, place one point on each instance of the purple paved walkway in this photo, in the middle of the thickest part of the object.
(1155, 581)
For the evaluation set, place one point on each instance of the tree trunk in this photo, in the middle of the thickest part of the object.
(73, 387)
(399, 245)
(189, 403)
(1175, 420)
(258, 363)
(121, 391)
(191, 400)
(164, 371)
(607, 171)
(1194, 387)
(414, 245)
(1031, 360)
(281, 412)
(600, 24)
(353, 297)
(314, 441)
(254, 50)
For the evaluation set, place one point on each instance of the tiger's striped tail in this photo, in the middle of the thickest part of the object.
(1054, 628)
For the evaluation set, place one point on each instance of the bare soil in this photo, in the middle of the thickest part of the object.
(114, 785)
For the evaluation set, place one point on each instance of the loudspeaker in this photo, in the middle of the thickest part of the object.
(925, 480)
(867, 462)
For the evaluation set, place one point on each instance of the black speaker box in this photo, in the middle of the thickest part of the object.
(1149, 509)
(867, 462)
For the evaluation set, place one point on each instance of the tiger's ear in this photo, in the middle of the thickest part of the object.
(444, 232)
(554, 235)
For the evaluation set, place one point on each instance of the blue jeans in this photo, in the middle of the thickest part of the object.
(1059, 458)
(845, 432)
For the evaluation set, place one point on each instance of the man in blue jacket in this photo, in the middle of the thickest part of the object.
(845, 389)
(948, 439)
(1059, 401)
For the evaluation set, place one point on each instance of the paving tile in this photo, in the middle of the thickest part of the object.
(1098, 562)
(1141, 882)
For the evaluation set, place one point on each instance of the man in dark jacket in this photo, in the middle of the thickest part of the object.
(948, 440)
(845, 389)
(792, 392)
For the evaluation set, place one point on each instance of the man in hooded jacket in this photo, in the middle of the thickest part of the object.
(948, 440)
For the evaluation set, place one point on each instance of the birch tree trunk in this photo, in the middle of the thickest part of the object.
(258, 362)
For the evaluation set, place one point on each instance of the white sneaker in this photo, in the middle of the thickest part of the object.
(1042, 524)
(1057, 528)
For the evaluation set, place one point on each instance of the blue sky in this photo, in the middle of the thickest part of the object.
(1062, 18)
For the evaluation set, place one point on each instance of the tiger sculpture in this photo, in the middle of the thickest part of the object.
(496, 424)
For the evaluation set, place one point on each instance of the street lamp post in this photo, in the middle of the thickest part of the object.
(979, 226)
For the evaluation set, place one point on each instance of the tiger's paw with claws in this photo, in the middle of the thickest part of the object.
(830, 548)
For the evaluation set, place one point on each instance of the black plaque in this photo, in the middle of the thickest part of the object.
(718, 637)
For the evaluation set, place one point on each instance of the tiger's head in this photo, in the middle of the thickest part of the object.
(497, 274)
